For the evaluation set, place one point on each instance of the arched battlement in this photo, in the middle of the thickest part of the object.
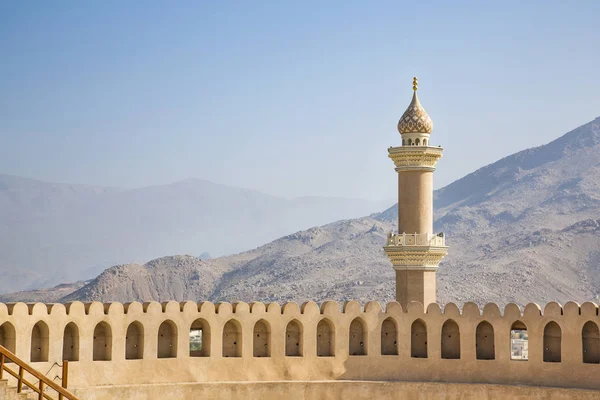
(451, 310)
(207, 307)
(589, 309)
(241, 307)
(17, 309)
(533, 310)
(373, 307)
(491, 311)
(75, 308)
(433, 309)
(351, 307)
(512, 311)
(393, 307)
(258, 308)
(572, 308)
(310, 308)
(416, 308)
(152, 307)
(471, 309)
(273, 308)
(330, 308)
(224, 308)
(290, 309)
(229, 339)
(94, 308)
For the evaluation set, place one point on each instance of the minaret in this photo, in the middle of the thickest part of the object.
(415, 251)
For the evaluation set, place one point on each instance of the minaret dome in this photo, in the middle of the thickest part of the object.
(415, 125)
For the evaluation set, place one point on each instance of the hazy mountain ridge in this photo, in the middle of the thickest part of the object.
(522, 229)
(54, 232)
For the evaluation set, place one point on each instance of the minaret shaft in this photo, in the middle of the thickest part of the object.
(415, 202)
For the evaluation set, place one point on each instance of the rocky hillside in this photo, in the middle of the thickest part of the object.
(52, 233)
(523, 229)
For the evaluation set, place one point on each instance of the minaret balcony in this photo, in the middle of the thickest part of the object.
(407, 158)
(416, 251)
(416, 239)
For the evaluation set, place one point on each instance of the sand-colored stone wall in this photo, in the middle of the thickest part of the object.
(333, 390)
(249, 342)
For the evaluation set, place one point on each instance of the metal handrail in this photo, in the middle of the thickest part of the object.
(43, 381)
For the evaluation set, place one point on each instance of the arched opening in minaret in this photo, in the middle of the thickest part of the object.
(232, 339)
(403, 142)
(389, 337)
(262, 339)
(325, 338)
(134, 341)
(552, 342)
(293, 339)
(8, 337)
(167, 340)
(484, 341)
(71, 342)
(39, 342)
(102, 346)
(410, 142)
(417, 142)
(590, 338)
(450, 340)
(424, 142)
(519, 341)
(418, 339)
(199, 338)
(358, 338)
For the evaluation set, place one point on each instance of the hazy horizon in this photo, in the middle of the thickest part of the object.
(289, 100)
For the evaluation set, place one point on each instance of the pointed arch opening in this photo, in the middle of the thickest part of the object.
(424, 142)
(418, 339)
(262, 339)
(484, 341)
(552, 342)
(358, 338)
(39, 342)
(417, 142)
(325, 338)
(199, 338)
(232, 339)
(134, 341)
(590, 338)
(167, 340)
(293, 339)
(389, 337)
(403, 142)
(519, 341)
(102, 342)
(410, 142)
(450, 340)
(71, 342)
(8, 337)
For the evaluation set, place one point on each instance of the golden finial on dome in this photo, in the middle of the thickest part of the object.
(415, 118)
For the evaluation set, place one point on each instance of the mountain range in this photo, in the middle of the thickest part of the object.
(525, 228)
(52, 233)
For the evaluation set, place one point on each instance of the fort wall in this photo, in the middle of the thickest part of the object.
(125, 344)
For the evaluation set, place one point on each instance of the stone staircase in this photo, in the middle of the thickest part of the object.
(10, 392)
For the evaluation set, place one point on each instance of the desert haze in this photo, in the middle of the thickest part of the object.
(525, 228)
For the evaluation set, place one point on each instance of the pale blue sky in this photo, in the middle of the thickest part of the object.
(289, 98)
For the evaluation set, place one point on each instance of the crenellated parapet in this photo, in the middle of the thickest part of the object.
(152, 342)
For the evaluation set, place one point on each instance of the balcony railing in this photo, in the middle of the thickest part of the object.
(416, 239)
